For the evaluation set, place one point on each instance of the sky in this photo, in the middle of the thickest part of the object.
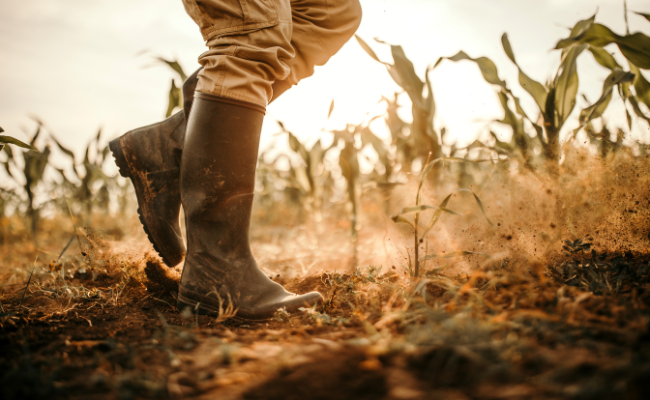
(84, 65)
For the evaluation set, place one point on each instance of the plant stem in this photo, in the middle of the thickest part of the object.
(417, 246)
(627, 25)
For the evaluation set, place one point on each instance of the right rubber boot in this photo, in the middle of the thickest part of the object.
(150, 157)
(217, 187)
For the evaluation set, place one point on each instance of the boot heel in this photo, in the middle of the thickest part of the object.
(116, 149)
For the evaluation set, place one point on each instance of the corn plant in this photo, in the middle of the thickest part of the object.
(306, 177)
(601, 139)
(556, 99)
(175, 97)
(93, 184)
(34, 163)
(418, 208)
(422, 138)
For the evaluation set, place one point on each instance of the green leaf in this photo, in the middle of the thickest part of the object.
(603, 57)
(582, 26)
(509, 118)
(174, 65)
(65, 150)
(597, 109)
(641, 85)
(629, 118)
(427, 170)
(175, 99)
(566, 84)
(487, 67)
(411, 83)
(635, 106)
(399, 218)
(478, 202)
(16, 142)
(635, 48)
(430, 105)
(417, 209)
(368, 49)
(646, 16)
(534, 88)
(453, 254)
(436, 215)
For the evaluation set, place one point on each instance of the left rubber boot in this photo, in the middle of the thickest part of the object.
(217, 187)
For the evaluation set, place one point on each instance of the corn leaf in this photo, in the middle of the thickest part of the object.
(478, 202)
(329, 113)
(174, 65)
(637, 110)
(424, 207)
(175, 99)
(65, 150)
(430, 105)
(641, 85)
(398, 218)
(566, 84)
(410, 81)
(534, 88)
(646, 16)
(487, 67)
(10, 140)
(369, 50)
(598, 108)
(427, 170)
(436, 215)
(635, 47)
(603, 57)
(582, 26)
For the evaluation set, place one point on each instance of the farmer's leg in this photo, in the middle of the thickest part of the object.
(320, 28)
(245, 57)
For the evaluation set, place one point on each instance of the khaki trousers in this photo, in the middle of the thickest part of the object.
(256, 43)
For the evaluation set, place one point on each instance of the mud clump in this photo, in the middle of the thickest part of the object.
(160, 279)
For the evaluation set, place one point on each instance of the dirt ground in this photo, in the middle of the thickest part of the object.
(100, 321)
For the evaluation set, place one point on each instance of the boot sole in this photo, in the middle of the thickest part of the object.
(117, 149)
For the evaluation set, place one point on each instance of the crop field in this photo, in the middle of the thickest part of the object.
(502, 270)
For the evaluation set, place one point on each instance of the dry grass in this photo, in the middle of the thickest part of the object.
(545, 323)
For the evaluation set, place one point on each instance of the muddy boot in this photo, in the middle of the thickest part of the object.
(217, 185)
(151, 157)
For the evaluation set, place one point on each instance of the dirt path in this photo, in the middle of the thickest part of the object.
(104, 325)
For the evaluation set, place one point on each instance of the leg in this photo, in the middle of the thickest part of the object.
(320, 28)
(218, 171)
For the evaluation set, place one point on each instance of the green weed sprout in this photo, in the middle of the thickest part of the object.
(437, 213)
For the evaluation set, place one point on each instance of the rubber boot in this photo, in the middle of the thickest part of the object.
(217, 185)
(143, 154)
(151, 157)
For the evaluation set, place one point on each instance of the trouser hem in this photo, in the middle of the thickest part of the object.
(219, 99)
